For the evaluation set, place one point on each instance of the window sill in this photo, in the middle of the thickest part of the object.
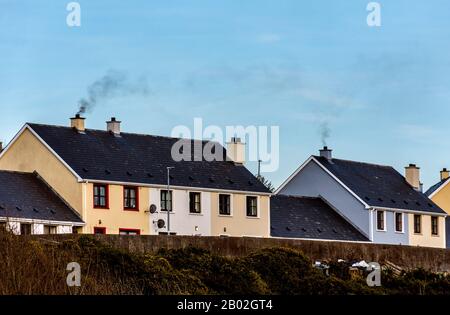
(131, 209)
(193, 213)
(377, 230)
(249, 217)
(225, 215)
(434, 235)
(102, 208)
(400, 232)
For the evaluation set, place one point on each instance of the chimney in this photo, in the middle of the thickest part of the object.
(236, 150)
(77, 122)
(326, 153)
(113, 126)
(444, 173)
(412, 174)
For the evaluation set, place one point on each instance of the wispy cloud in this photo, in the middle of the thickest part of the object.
(269, 38)
(417, 132)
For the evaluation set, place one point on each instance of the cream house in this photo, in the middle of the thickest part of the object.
(119, 183)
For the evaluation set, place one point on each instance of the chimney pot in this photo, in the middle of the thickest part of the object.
(445, 174)
(77, 123)
(326, 153)
(113, 126)
(412, 175)
(236, 151)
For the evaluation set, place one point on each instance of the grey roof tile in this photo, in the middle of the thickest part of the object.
(25, 195)
(306, 217)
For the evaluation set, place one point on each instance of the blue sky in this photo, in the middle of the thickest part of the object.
(382, 91)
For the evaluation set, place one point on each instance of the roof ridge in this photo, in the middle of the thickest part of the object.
(122, 132)
(358, 162)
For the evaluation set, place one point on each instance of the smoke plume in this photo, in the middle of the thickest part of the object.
(325, 132)
(113, 84)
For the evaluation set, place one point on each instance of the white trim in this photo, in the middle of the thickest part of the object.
(411, 211)
(25, 127)
(371, 211)
(231, 206)
(384, 221)
(327, 240)
(403, 222)
(198, 189)
(258, 207)
(189, 202)
(329, 173)
(440, 187)
(37, 221)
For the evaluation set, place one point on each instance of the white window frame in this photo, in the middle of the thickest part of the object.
(437, 226)
(403, 222)
(384, 221)
(189, 202)
(231, 206)
(258, 207)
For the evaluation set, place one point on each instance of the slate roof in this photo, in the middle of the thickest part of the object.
(25, 195)
(379, 185)
(306, 217)
(435, 187)
(136, 158)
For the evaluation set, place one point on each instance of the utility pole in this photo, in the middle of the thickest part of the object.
(171, 197)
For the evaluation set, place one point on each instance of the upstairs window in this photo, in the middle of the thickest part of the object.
(166, 200)
(398, 222)
(195, 205)
(417, 224)
(434, 226)
(100, 196)
(130, 198)
(380, 220)
(224, 204)
(252, 206)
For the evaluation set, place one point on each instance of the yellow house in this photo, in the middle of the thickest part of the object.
(124, 183)
(440, 194)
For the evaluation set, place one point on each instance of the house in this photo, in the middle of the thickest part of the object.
(29, 206)
(119, 183)
(378, 201)
(440, 194)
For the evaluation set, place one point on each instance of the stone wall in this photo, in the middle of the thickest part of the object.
(403, 256)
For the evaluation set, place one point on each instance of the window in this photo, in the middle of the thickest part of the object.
(252, 206)
(130, 198)
(166, 200)
(101, 196)
(380, 220)
(417, 224)
(434, 226)
(195, 205)
(129, 232)
(2, 226)
(398, 222)
(99, 230)
(25, 229)
(224, 204)
(49, 229)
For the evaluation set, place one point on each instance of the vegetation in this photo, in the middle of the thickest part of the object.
(31, 266)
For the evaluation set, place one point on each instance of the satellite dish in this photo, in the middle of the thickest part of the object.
(153, 208)
(161, 224)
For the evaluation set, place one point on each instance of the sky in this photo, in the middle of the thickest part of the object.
(382, 92)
